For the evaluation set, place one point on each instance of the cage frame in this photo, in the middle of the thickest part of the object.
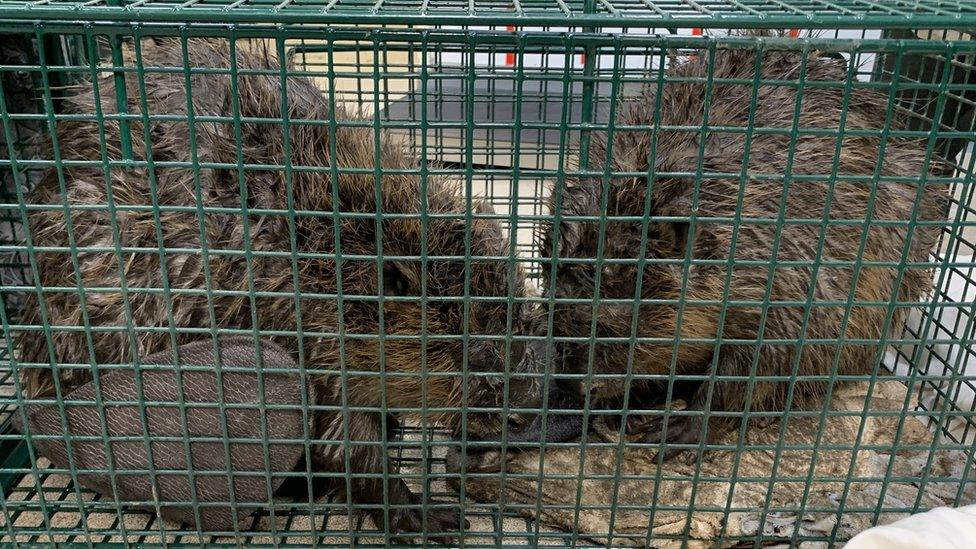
(235, 21)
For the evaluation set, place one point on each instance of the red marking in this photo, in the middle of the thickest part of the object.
(510, 56)
(794, 33)
(695, 32)
(582, 59)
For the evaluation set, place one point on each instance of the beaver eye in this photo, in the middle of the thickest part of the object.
(583, 274)
(483, 357)
(394, 283)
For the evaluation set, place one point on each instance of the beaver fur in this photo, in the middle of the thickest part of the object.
(691, 302)
(285, 281)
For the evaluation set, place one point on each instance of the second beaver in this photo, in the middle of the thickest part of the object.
(787, 233)
(321, 234)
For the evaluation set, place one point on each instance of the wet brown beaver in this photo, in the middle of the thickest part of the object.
(730, 226)
(165, 252)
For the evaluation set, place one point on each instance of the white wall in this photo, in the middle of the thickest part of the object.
(631, 62)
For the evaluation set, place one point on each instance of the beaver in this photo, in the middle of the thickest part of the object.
(226, 220)
(748, 273)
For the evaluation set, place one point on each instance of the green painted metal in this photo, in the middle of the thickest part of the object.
(505, 132)
(835, 14)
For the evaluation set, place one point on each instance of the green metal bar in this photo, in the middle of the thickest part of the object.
(930, 149)
(818, 261)
(513, 281)
(651, 178)
(249, 262)
(444, 16)
(550, 293)
(163, 266)
(638, 285)
(72, 243)
(381, 290)
(121, 98)
(213, 330)
(424, 175)
(469, 116)
(241, 174)
(54, 57)
(341, 336)
(591, 358)
(733, 247)
(587, 113)
(4, 320)
(539, 172)
(558, 339)
(686, 275)
(92, 47)
(955, 235)
(531, 39)
(295, 279)
(814, 268)
(609, 261)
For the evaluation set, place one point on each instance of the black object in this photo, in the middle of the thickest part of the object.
(560, 427)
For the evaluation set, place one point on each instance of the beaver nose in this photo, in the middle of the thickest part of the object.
(517, 422)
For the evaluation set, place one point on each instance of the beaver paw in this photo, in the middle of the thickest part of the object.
(408, 524)
(761, 422)
(680, 430)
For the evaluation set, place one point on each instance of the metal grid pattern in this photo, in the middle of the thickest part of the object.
(57, 520)
(506, 133)
(638, 13)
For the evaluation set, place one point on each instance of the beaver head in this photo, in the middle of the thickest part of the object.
(450, 298)
(587, 255)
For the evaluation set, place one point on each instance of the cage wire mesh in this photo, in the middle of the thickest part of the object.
(284, 175)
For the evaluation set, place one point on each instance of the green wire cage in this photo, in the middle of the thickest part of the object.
(753, 221)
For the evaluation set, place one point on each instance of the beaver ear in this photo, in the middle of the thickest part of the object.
(578, 199)
(399, 278)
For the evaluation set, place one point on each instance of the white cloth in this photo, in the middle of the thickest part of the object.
(941, 528)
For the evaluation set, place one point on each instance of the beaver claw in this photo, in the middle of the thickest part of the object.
(680, 430)
(443, 525)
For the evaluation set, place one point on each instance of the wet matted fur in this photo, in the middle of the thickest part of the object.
(223, 242)
(751, 235)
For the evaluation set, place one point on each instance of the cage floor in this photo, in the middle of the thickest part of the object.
(45, 509)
